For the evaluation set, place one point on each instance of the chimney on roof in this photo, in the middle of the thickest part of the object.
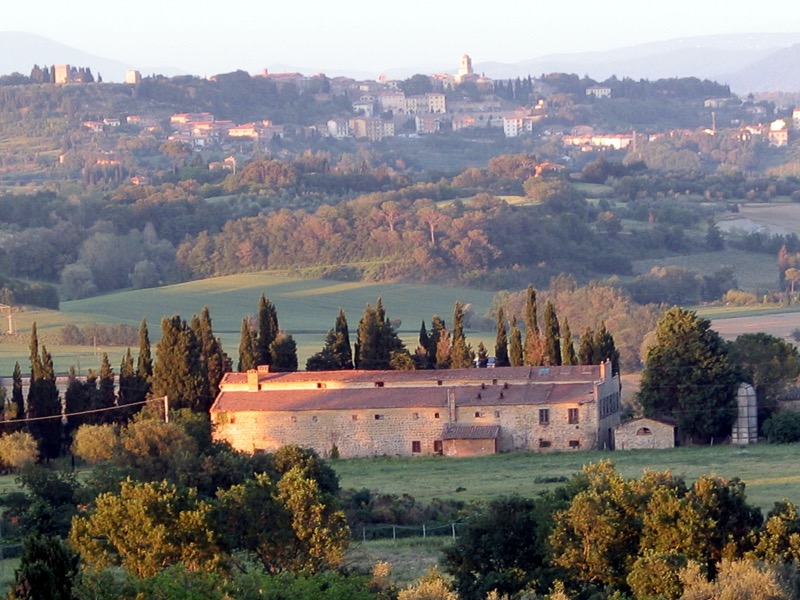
(252, 379)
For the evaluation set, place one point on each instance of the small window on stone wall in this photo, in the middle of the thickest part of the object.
(435, 415)
(355, 417)
(574, 443)
(415, 416)
(416, 447)
(294, 419)
(572, 415)
(497, 414)
(437, 446)
(544, 416)
(314, 419)
(644, 431)
(379, 417)
(478, 414)
(545, 443)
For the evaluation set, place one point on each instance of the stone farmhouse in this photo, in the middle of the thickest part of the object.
(456, 412)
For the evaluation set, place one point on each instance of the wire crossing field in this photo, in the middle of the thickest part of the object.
(770, 472)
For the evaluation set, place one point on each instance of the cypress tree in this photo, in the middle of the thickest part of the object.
(443, 349)
(438, 326)
(586, 348)
(76, 400)
(370, 354)
(247, 351)
(268, 330)
(144, 366)
(568, 350)
(17, 399)
(461, 353)
(552, 335)
(105, 396)
(424, 359)
(515, 345)
(342, 351)
(533, 340)
(44, 401)
(501, 341)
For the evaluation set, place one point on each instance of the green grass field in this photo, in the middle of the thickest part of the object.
(307, 309)
(752, 270)
(770, 472)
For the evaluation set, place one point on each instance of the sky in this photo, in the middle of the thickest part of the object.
(203, 37)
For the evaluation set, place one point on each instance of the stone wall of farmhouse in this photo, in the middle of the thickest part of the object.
(413, 431)
(468, 447)
(640, 434)
(358, 432)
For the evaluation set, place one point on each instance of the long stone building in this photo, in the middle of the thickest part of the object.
(456, 412)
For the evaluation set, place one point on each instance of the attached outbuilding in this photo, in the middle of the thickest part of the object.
(638, 434)
(470, 440)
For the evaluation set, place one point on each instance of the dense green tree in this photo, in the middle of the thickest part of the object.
(568, 348)
(460, 353)
(482, 356)
(47, 571)
(552, 335)
(689, 376)
(770, 363)
(501, 341)
(605, 348)
(595, 535)
(336, 354)
(177, 371)
(515, 352)
(503, 549)
(782, 427)
(145, 528)
(377, 339)
(283, 351)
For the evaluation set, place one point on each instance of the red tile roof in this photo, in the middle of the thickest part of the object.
(401, 397)
(587, 373)
(471, 432)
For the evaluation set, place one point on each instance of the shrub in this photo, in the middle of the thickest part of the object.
(783, 427)
(18, 449)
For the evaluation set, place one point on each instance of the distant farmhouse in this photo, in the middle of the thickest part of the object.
(457, 412)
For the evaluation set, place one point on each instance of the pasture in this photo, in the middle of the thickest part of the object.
(770, 472)
(307, 309)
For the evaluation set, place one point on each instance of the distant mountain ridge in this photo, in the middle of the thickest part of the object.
(755, 62)
(19, 51)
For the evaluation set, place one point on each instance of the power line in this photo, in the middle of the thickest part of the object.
(82, 412)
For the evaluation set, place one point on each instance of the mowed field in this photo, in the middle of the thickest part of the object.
(307, 309)
(770, 472)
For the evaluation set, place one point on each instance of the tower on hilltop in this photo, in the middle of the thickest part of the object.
(465, 67)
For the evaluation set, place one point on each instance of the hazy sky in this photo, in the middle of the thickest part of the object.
(205, 37)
